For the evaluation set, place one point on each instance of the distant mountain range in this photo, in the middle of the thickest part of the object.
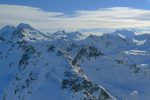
(72, 66)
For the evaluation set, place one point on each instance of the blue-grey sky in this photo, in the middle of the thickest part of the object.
(80, 15)
(68, 6)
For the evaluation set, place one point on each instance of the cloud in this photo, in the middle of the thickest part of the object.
(106, 18)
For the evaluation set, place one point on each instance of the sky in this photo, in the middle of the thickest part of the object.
(89, 16)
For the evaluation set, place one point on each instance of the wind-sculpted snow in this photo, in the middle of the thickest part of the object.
(71, 66)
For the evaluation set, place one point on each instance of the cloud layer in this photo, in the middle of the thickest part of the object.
(107, 18)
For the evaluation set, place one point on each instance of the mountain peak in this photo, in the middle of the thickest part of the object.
(125, 32)
(25, 26)
(21, 31)
(7, 28)
(75, 35)
(6, 32)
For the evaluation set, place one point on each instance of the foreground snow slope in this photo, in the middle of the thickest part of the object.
(71, 66)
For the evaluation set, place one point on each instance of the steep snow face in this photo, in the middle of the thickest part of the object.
(71, 66)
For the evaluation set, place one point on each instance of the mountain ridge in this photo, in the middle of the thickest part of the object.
(71, 66)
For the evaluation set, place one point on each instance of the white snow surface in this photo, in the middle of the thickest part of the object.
(32, 64)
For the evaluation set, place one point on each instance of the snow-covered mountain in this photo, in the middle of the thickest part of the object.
(71, 66)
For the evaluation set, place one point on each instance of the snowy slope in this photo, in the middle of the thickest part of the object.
(33, 68)
(71, 66)
(119, 64)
